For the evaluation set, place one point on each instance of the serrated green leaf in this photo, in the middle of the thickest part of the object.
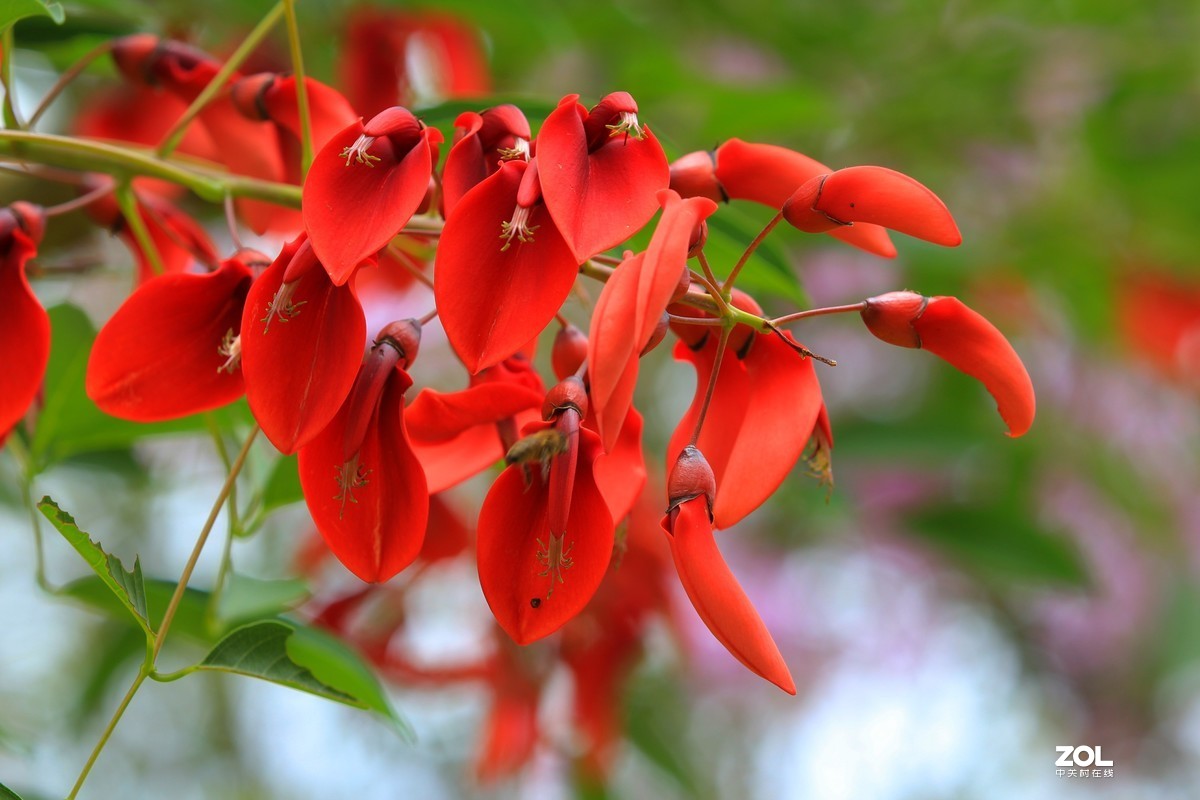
(127, 586)
(13, 10)
(244, 598)
(283, 485)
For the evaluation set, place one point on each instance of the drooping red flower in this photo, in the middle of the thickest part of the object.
(714, 591)
(302, 341)
(363, 484)
(545, 535)
(502, 268)
(971, 344)
(179, 240)
(766, 174)
(173, 347)
(24, 324)
(632, 304)
(600, 172)
(389, 160)
(875, 195)
(762, 413)
(482, 142)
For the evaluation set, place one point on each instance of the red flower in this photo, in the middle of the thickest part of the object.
(173, 347)
(710, 585)
(302, 341)
(482, 142)
(178, 239)
(766, 174)
(545, 535)
(389, 160)
(502, 269)
(763, 411)
(362, 482)
(600, 172)
(951, 331)
(24, 324)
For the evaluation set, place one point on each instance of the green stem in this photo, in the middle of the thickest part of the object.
(65, 79)
(25, 462)
(168, 677)
(712, 383)
(248, 45)
(126, 162)
(231, 515)
(818, 312)
(10, 104)
(112, 724)
(306, 142)
(775, 220)
(127, 201)
(173, 605)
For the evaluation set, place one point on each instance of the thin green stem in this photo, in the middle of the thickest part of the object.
(26, 466)
(714, 292)
(128, 162)
(231, 515)
(762, 235)
(127, 201)
(712, 383)
(72, 72)
(104, 737)
(248, 45)
(79, 202)
(168, 677)
(173, 605)
(819, 312)
(11, 120)
(306, 142)
(708, 272)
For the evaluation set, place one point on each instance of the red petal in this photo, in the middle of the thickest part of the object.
(883, 197)
(381, 530)
(24, 333)
(612, 350)
(666, 259)
(621, 474)
(492, 301)
(344, 229)
(300, 370)
(438, 416)
(466, 164)
(597, 199)
(513, 518)
(159, 356)
(717, 596)
(329, 111)
(768, 174)
(952, 331)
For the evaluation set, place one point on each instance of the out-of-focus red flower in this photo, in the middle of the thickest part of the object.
(392, 57)
(178, 239)
(715, 593)
(363, 484)
(1159, 320)
(24, 324)
(365, 184)
(302, 342)
(600, 172)
(955, 333)
(173, 347)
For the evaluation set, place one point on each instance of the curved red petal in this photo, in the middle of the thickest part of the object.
(377, 526)
(466, 165)
(597, 199)
(179, 239)
(970, 343)
(612, 349)
(525, 597)
(344, 227)
(24, 334)
(160, 355)
(492, 301)
(299, 370)
(329, 111)
(621, 473)
(718, 597)
(892, 199)
(438, 416)
(666, 258)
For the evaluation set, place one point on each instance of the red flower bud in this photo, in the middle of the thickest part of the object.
(691, 477)
(569, 351)
(568, 393)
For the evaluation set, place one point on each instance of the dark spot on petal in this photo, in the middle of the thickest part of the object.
(535, 602)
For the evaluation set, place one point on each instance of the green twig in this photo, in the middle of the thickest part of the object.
(112, 724)
(127, 201)
(10, 104)
(306, 140)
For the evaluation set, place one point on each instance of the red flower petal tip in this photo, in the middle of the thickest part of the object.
(695, 175)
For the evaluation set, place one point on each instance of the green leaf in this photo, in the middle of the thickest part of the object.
(127, 586)
(190, 617)
(244, 598)
(8, 794)
(302, 658)
(283, 485)
(13, 10)
(767, 273)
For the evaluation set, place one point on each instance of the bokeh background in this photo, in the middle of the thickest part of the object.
(960, 604)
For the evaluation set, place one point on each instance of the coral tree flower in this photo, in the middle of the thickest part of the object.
(955, 333)
(389, 160)
(875, 195)
(302, 340)
(545, 535)
(600, 172)
(482, 142)
(503, 269)
(24, 324)
(363, 484)
(763, 411)
(632, 304)
(715, 593)
(766, 174)
(173, 347)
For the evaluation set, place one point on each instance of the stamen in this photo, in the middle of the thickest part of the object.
(282, 305)
(350, 476)
(520, 149)
(555, 560)
(518, 227)
(358, 151)
(628, 125)
(231, 348)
